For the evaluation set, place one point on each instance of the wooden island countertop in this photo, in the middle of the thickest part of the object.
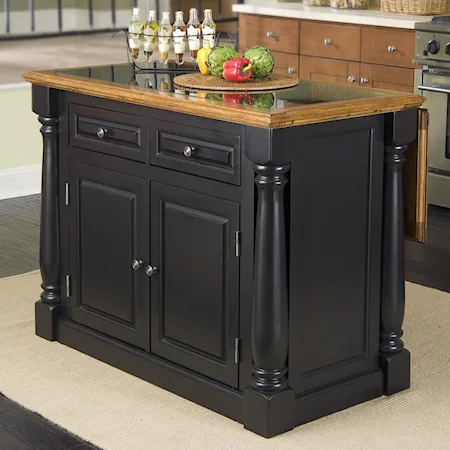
(309, 102)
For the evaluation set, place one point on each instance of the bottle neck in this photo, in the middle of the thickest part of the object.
(179, 20)
(193, 15)
(152, 16)
(165, 18)
(135, 15)
(208, 15)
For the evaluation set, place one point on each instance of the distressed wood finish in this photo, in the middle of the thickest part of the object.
(303, 114)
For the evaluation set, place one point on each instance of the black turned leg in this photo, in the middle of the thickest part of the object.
(269, 402)
(48, 308)
(394, 359)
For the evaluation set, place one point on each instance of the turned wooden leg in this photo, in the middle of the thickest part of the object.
(269, 402)
(48, 308)
(394, 358)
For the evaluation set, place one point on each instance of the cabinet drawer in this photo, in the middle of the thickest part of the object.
(330, 41)
(279, 35)
(332, 71)
(389, 78)
(114, 133)
(198, 151)
(387, 46)
(286, 64)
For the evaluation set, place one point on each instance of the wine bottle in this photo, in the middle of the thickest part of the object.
(164, 33)
(150, 32)
(179, 37)
(134, 34)
(209, 28)
(194, 30)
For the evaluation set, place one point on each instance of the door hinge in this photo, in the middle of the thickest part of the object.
(237, 348)
(67, 194)
(238, 243)
(67, 285)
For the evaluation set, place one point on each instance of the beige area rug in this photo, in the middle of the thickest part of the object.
(117, 411)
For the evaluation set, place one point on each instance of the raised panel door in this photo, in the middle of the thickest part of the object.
(195, 291)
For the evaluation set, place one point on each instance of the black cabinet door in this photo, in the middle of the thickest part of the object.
(195, 292)
(109, 228)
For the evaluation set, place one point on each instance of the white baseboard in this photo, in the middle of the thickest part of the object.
(20, 181)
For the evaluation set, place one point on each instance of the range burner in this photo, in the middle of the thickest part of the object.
(440, 19)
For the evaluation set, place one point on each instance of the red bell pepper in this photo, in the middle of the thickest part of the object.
(241, 99)
(237, 70)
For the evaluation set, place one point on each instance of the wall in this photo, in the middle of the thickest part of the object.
(21, 143)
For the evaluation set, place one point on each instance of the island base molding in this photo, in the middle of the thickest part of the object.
(266, 419)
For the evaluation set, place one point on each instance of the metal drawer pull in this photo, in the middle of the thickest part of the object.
(391, 48)
(433, 89)
(101, 132)
(291, 70)
(327, 41)
(137, 264)
(150, 271)
(270, 34)
(364, 80)
(188, 151)
(351, 79)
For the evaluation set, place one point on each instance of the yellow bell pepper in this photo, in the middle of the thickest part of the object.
(202, 57)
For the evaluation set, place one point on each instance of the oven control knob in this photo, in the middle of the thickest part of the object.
(433, 47)
(447, 49)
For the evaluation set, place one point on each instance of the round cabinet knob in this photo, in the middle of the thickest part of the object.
(137, 264)
(291, 70)
(433, 47)
(351, 79)
(391, 48)
(364, 80)
(101, 133)
(188, 151)
(150, 271)
(270, 34)
(327, 41)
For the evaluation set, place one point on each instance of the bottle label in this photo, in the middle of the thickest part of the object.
(134, 43)
(194, 38)
(209, 34)
(179, 41)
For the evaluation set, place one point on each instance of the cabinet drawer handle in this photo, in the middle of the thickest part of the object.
(150, 271)
(327, 41)
(391, 48)
(270, 34)
(364, 80)
(351, 79)
(137, 264)
(188, 151)
(101, 132)
(291, 70)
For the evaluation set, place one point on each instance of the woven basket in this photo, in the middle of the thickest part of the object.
(418, 7)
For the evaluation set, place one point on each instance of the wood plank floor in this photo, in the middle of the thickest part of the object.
(19, 253)
(21, 429)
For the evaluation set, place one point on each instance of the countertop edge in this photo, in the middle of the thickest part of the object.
(240, 114)
(371, 17)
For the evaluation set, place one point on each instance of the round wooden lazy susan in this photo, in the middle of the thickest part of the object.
(211, 83)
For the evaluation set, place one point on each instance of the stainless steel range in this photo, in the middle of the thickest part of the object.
(433, 52)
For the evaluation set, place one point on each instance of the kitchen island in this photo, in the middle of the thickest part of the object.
(247, 258)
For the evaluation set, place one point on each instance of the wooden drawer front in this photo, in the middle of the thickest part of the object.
(343, 41)
(376, 44)
(331, 71)
(286, 64)
(215, 155)
(279, 35)
(114, 133)
(389, 78)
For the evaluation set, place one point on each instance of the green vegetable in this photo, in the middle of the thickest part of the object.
(218, 56)
(262, 60)
(263, 100)
(213, 96)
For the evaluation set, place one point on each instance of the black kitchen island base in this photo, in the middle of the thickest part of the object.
(290, 412)
(247, 259)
